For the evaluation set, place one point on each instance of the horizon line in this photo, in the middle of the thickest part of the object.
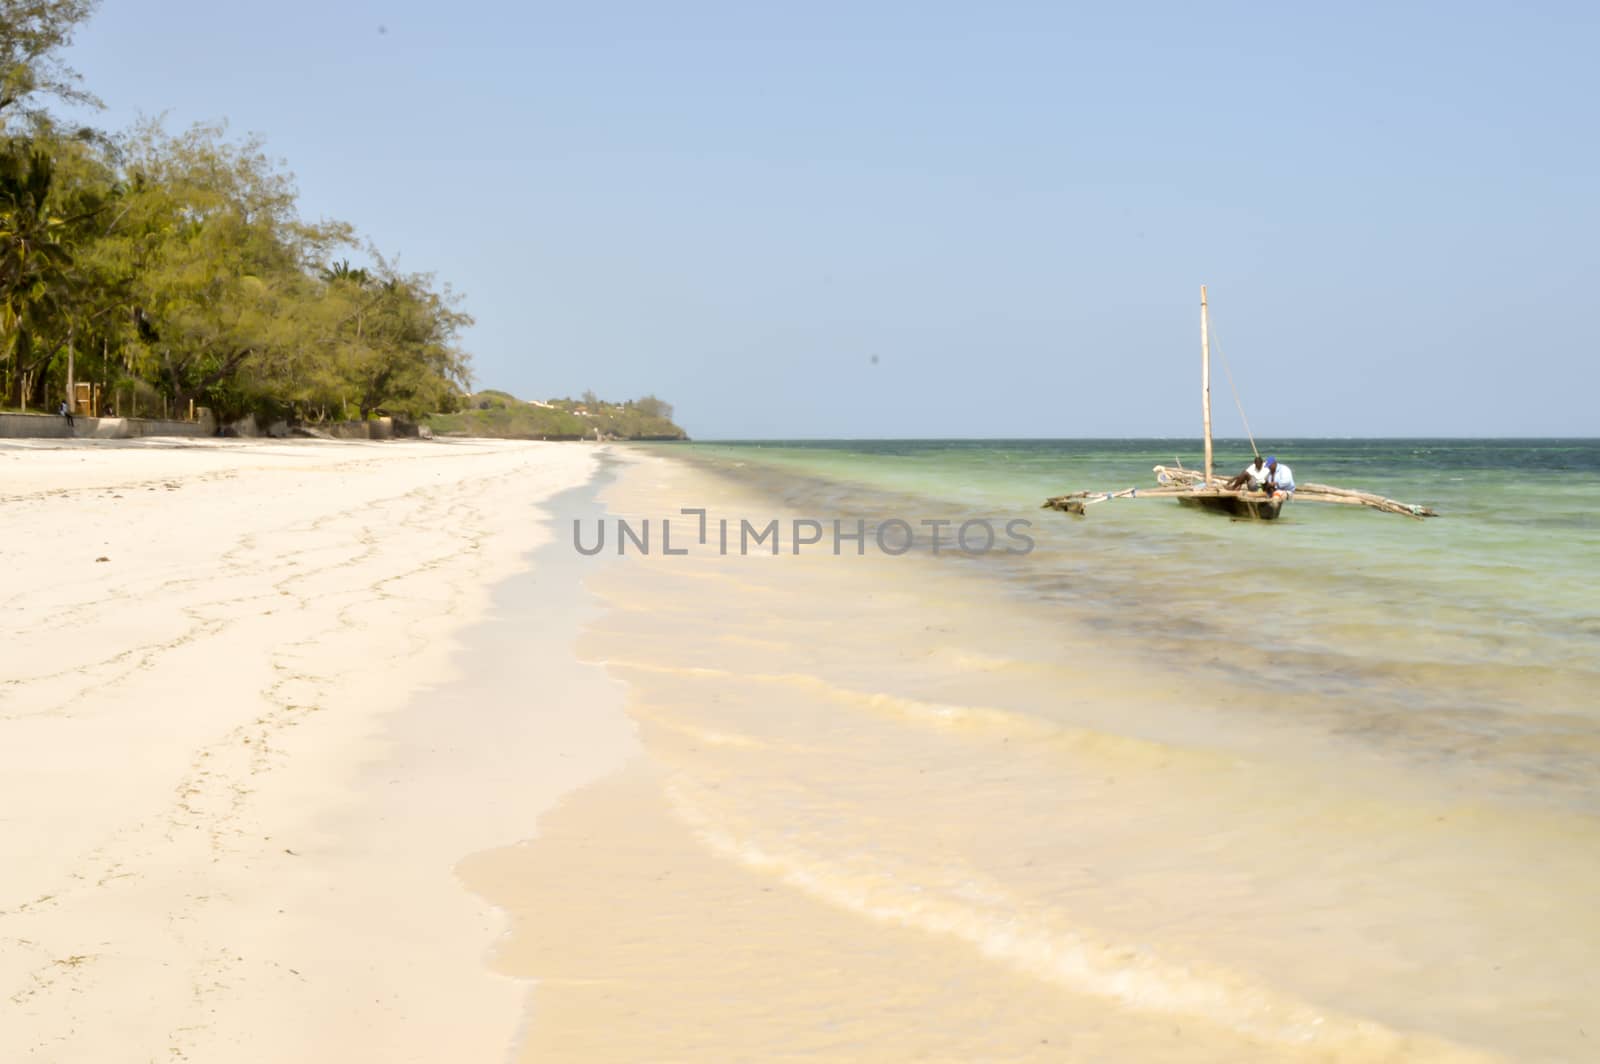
(1080, 439)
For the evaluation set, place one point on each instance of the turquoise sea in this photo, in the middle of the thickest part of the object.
(1470, 641)
(1323, 788)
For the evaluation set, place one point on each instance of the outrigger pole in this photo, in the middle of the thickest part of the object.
(1178, 482)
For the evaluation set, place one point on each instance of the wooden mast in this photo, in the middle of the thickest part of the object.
(1205, 379)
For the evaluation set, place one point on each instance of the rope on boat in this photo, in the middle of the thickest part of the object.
(1227, 370)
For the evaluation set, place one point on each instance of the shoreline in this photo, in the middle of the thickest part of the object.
(885, 812)
(210, 860)
(346, 752)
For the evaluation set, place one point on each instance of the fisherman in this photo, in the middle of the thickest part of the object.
(1280, 478)
(1250, 479)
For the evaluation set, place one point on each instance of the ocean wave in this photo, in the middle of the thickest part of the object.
(980, 721)
(959, 903)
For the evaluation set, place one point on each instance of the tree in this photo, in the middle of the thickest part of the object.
(32, 33)
(342, 272)
(34, 261)
(179, 264)
(650, 406)
(91, 307)
(221, 265)
(399, 352)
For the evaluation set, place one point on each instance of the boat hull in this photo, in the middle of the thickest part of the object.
(1233, 504)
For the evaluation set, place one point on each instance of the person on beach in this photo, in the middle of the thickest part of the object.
(1250, 479)
(66, 412)
(1280, 478)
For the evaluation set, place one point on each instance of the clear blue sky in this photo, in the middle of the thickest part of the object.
(737, 205)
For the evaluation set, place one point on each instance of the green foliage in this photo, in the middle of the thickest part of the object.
(652, 407)
(501, 415)
(489, 399)
(173, 269)
(34, 259)
(180, 260)
(32, 32)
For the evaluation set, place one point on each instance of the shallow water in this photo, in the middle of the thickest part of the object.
(1169, 787)
(1474, 635)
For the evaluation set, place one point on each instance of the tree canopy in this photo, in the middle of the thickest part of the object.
(175, 266)
(32, 33)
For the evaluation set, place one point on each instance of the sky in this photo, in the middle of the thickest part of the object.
(893, 219)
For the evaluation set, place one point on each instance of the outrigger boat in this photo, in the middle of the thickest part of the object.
(1207, 494)
(1203, 491)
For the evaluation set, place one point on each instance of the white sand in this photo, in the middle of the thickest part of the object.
(213, 846)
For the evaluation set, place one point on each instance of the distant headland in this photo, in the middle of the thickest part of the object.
(501, 415)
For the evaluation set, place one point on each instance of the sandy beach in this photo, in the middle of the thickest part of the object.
(778, 534)
(234, 775)
(343, 752)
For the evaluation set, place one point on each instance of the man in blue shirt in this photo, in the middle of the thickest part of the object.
(1280, 478)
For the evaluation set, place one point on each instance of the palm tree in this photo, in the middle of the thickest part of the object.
(33, 259)
(343, 271)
